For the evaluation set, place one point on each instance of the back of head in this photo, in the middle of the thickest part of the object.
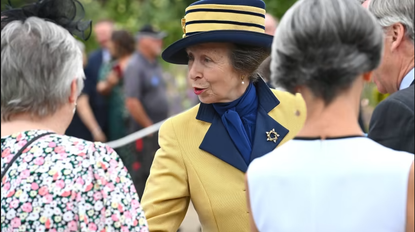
(325, 45)
(389, 12)
(39, 60)
(124, 42)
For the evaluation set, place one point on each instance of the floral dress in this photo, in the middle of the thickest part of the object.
(61, 184)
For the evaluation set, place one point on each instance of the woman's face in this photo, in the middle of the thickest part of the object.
(112, 48)
(212, 75)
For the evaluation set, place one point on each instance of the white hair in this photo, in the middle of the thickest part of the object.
(39, 61)
(389, 12)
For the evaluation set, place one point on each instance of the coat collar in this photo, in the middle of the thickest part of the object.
(218, 142)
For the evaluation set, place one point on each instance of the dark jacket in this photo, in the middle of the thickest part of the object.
(96, 100)
(392, 123)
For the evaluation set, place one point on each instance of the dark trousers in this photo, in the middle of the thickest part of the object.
(144, 155)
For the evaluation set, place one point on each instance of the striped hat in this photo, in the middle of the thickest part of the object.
(231, 21)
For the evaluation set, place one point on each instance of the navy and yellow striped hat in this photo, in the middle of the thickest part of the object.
(232, 21)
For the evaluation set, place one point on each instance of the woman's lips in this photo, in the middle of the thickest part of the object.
(198, 91)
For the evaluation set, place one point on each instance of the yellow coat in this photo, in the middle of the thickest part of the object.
(198, 162)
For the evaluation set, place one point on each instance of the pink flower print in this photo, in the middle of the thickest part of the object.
(113, 163)
(14, 204)
(73, 226)
(5, 153)
(117, 180)
(89, 187)
(48, 198)
(66, 194)
(6, 186)
(114, 217)
(120, 208)
(35, 186)
(22, 143)
(19, 137)
(43, 191)
(135, 204)
(80, 181)
(39, 161)
(63, 156)
(60, 184)
(52, 144)
(97, 196)
(52, 230)
(11, 193)
(59, 150)
(16, 222)
(82, 154)
(9, 158)
(48, 223)
(135, 223)
(79, 197)
(124, 229)
(69, 206)
(127, 215)
(27, 207)
(25, 174)
(110, 186)
(103, 181)
(92, 227)
(55, 176)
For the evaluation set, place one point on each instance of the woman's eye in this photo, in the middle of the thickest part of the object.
(207, 60)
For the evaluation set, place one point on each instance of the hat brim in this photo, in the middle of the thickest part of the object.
(176, 53)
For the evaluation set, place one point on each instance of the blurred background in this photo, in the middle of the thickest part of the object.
(166, 15)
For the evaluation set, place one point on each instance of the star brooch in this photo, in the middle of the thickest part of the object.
(272, 136)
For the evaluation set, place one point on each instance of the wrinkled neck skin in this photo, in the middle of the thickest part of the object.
(337, 119)
(57, 123)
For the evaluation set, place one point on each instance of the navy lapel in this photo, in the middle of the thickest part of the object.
(217, 140)
(265, 123)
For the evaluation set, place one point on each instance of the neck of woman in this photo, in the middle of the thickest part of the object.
(338, 119)
(26, 122)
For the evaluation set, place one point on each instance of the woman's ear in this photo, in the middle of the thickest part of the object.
(74, 92)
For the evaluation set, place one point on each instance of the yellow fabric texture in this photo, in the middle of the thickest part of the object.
(182, 172)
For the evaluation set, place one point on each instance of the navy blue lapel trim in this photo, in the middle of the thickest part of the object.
(218, 142)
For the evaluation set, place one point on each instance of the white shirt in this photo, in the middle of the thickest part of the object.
(336, 185)
(407, 80)
(106, 56)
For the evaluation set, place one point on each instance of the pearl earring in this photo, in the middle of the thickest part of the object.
(74, 109)
(243, 82)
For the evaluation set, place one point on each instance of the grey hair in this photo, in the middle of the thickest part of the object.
(325, 45)
(389, 12)
(39, 61)
(246, 59)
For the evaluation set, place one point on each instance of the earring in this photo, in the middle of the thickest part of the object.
(74, 109)
(242, 78)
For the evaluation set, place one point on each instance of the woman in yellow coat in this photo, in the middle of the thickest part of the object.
(206, 151)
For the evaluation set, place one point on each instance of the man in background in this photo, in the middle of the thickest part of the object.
(264, 69)
(90, 120)
(392, 123)
(146, 98)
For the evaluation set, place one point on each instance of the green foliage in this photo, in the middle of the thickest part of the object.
(164, 14)
(133, 14)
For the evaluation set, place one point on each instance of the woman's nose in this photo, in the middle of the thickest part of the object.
(194, 71)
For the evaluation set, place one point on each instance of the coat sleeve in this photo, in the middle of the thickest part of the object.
(166, 196)
(392, 125)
